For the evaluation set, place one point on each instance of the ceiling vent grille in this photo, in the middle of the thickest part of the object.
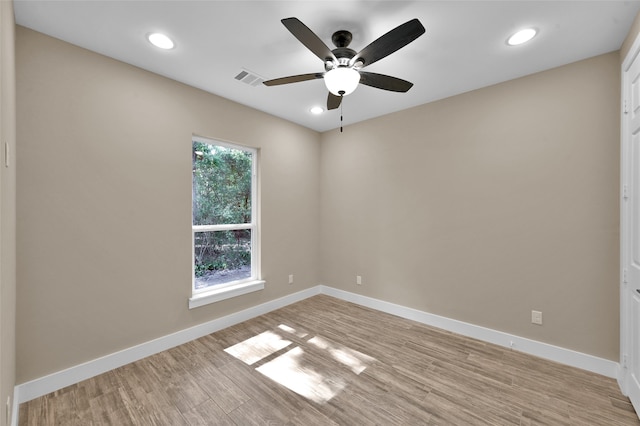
(248, 77)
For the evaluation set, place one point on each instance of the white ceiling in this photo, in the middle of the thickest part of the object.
(464, 47)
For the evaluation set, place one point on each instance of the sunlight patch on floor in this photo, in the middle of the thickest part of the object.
(289, 370)
(300, 371)
(300, 334)
(354, 360)
(257, 347)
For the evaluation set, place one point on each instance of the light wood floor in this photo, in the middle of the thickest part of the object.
(323, 361)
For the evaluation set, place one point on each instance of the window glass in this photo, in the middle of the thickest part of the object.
(224, 222)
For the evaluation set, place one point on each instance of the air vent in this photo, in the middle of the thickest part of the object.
(248, 77)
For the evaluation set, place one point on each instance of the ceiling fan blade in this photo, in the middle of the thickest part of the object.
(390, 42)
(293, 79)
(384, 82)
(309, 39)
(333, 101)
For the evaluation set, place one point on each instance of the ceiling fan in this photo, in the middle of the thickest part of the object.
(343, 66)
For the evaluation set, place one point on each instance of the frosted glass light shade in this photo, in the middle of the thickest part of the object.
(342, 79)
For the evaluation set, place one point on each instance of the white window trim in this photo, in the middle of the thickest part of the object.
(233, 288)
(227, 292)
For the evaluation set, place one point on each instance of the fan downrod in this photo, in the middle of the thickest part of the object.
(343, 54)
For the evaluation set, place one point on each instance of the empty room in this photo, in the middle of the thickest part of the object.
(319, 212)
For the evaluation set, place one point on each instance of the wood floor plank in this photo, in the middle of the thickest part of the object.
(206, 414)
(323, 361)
(220, 388)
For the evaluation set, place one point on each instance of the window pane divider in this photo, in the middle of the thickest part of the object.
(225, 227)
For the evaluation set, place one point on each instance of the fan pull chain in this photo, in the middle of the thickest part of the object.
(341, 113)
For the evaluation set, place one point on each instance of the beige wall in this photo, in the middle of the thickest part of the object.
(7, 209)
(631, 37)
(104, 203)
(479, 207)
(484, 206)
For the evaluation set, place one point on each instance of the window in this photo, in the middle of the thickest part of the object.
(225, 232)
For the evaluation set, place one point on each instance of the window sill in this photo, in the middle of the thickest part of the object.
(217, 295)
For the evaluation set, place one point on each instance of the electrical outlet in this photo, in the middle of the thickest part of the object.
(358, 280)
(291, 279)
(536, 317)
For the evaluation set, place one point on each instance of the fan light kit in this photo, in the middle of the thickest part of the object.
(343, 66)
(161, 41)
(342, 81)
(521, 37)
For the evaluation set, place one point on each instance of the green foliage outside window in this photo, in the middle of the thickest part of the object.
(221, 195)
(221, 185)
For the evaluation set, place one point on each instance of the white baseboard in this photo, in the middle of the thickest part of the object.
(622, 379)
(55, 381)
(15, 407)
(27, 391)
(543, 350)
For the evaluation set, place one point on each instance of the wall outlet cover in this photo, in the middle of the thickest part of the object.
(536, 317)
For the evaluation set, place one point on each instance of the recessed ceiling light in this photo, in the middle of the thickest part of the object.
(521, 36)
(316, 110)
(160, 40)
